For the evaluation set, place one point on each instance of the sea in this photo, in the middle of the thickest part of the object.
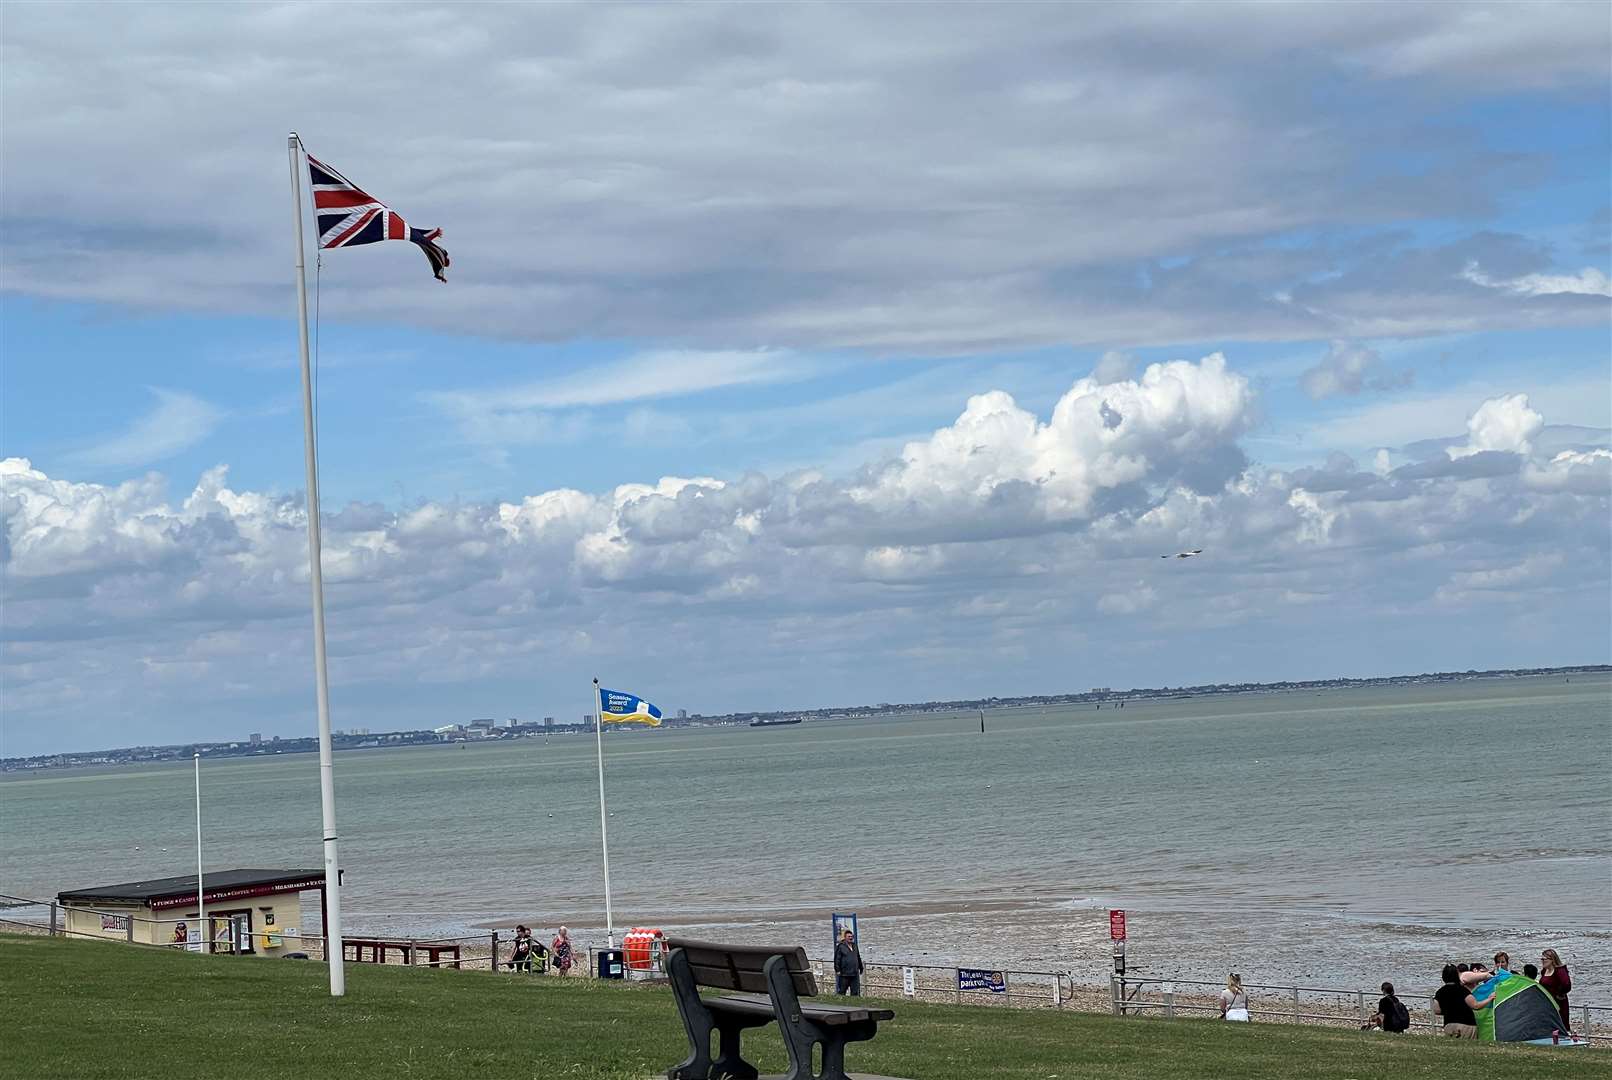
(1329, 837)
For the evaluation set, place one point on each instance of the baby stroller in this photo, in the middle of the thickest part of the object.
(530, 954)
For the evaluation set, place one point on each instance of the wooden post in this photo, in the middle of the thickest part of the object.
(1169, 1000)
(1113, 993)
(53, 919)
(408, 953)
(495, 950)
(1360, 1000)
(1295, 1004)
(128, 927)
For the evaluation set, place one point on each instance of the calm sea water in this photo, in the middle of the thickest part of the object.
(1333, 836)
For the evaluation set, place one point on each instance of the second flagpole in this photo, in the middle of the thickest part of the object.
(316, 577)
(604, 837)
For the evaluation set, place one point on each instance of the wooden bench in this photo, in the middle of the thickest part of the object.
(770, 983)
(438, 954)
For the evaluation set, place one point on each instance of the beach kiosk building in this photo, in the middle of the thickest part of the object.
(248, 911)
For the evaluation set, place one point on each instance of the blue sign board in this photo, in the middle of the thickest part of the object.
(980, 979)
(843, 922)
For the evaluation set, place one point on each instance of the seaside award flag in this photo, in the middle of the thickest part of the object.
(618, 708)
(349, 216)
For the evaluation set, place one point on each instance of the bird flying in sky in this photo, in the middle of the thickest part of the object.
(1183, 554)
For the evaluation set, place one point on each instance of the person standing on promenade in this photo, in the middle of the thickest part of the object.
(1450, 1002)
(1234, 1000)
(847, 965)
(1554, 977)
(562, 952)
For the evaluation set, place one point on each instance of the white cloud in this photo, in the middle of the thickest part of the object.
(548, 410)
(994, 538)
(1577, 399)
(1589, 281)
(1505, 423)
(178, 422)
(1349, 369)
(805, 176)
(1139, 598)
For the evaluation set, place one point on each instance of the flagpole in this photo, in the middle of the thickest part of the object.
(201, 906)
(327, 780)
(604, 839)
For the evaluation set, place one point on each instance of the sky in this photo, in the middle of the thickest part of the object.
(796, 355)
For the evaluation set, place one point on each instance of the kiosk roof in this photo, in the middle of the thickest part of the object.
(241, 881)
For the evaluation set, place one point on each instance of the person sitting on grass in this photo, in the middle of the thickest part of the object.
(1234, 1000)
(1391, 1014)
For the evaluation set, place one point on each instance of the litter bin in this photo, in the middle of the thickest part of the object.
(610, 965)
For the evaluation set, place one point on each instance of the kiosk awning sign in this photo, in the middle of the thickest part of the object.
(1116, 924)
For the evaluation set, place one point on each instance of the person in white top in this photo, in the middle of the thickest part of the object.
(1233, 999)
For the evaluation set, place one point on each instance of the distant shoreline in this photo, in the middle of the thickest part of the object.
(278, 747)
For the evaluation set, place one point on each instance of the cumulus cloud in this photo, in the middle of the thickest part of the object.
(1504, 424)
(1349, 369)
(996, 537)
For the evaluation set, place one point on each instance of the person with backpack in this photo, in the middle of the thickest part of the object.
(1391, 1014)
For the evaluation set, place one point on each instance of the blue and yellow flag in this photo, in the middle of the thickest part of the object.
(618, 708)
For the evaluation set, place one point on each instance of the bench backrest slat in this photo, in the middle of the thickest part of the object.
(742, 967)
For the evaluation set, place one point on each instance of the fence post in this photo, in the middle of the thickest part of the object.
(1113, 993)
(495, 951)
(53, 919)
(408, 957)
(128, 926)
(1169, 1000)
(1295, 1004)
(1360, 1002)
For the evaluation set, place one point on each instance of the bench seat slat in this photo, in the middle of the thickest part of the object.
(821, 1012)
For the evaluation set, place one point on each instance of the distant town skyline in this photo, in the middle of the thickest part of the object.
(489, 728)
(773, 370)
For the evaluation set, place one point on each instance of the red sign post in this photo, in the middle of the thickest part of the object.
(1116, 924)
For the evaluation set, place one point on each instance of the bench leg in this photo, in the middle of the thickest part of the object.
(697, 1024)
(728, 1064)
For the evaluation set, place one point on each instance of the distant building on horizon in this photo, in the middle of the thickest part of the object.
(255, 739)
(682, 714)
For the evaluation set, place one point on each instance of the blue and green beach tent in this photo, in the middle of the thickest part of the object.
(1523, 1011)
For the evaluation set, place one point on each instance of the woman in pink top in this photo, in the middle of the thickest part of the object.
(1553, 976)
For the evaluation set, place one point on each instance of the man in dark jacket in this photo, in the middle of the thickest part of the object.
(847, 966)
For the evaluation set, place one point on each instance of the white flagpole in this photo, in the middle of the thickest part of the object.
(604, 839)
(201, 906)
(327, 780)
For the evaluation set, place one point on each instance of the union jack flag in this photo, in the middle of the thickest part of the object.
(349, 216)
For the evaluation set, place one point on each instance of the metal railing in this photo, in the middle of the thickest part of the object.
(1299, 1004)
(1021, 988)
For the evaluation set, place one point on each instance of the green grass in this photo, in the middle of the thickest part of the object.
(91, 1010)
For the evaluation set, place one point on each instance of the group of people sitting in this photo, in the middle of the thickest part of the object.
(1468, 989)
(530, 954)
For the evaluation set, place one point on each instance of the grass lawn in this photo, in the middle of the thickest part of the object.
(87, 1010)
